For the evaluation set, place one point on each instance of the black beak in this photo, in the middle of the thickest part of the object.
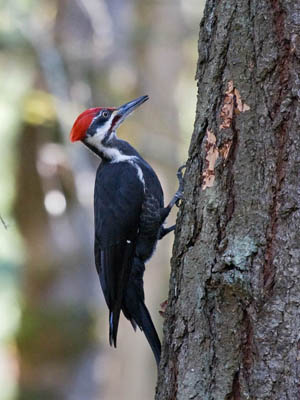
(128, 108)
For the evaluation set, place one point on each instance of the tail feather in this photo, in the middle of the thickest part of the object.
(118, 286)
(146, 325)
(134, 308)
(136, 311)
(113, 327)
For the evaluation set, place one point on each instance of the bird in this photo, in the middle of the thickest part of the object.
(129, 216)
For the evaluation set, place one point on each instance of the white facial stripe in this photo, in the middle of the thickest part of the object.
(102, 130)
(113, 154)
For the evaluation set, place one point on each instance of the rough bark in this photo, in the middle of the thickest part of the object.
(232, 322)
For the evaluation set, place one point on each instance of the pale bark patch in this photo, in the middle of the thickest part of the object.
(224, 150)
(232, 103)
(212, 154)
(242, 107)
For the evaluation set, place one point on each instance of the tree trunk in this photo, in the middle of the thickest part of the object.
(233, 321)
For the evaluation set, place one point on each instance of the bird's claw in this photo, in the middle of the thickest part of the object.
(179, 197)
(179, 173)
(179, 193)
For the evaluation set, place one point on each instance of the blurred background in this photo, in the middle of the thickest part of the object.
(57, 58)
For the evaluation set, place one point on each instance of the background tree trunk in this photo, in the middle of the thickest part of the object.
(232, 322)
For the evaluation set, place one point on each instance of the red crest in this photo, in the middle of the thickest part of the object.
(82, 123)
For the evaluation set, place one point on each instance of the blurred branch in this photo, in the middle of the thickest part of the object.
(100, 20)
(40, 32)
(3, 222)
(40, 36)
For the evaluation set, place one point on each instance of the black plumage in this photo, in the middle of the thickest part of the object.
(128, 219)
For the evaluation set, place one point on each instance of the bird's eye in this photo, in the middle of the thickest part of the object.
(105, 114)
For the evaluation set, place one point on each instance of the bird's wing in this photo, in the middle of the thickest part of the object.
(118, 199)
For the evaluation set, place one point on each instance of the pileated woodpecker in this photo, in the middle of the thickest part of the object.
(129, 216)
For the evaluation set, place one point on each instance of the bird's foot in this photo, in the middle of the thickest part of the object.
(179, 194)
(164, 231)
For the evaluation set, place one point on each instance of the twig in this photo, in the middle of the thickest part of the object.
(3, 222)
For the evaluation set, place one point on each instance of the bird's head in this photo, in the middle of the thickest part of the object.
(97, 126)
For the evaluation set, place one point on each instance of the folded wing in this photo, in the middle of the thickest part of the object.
(118, 200)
